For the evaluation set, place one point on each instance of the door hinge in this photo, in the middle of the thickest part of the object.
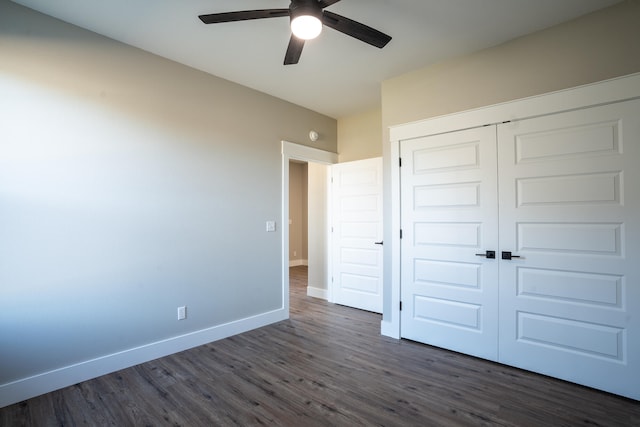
(401, 233)
(400, 305)
(400, 161)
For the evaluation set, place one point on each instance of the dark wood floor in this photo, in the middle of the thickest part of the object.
(326, 366)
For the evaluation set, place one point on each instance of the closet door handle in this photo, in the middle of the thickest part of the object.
(509, 255)
(488, 254)
(380, 242)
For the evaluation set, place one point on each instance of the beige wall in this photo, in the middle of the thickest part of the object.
(594, 47)
(298, 213)
(360, 136)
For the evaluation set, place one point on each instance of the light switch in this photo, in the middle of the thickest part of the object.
(271, 226)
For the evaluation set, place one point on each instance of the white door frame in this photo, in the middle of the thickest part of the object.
(608, 91)
(292, 151)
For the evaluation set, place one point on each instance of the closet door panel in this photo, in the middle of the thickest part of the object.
(449, 214)
(570, 209)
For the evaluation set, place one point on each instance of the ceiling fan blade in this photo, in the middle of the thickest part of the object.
(215, 18)
(293, 51)
(326, 3)
(355, 29)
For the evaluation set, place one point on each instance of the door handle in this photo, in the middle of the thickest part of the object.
(380, 242)
(509, 255)
(488, 254)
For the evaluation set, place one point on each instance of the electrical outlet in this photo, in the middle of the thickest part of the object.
(182, 312)
(295, 253)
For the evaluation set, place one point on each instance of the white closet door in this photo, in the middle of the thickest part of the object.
(570, 208)
(449, 214)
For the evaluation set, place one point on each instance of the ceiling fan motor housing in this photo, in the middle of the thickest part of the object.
(305, 7)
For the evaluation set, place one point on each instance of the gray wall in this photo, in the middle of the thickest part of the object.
(597, 46)
(129, 185)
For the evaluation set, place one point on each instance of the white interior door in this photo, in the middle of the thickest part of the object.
(357, 234)
(449, 212)
(570, 208)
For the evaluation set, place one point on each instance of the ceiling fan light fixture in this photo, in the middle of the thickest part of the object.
(306, 23)
(306, 27)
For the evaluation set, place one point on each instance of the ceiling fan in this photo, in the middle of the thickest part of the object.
(307, 18)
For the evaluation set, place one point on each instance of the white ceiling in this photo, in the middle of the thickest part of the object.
(337, 75)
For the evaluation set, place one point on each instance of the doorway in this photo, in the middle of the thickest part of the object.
(309, 225)
(312, 157)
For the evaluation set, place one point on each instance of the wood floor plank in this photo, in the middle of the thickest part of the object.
(326, 366)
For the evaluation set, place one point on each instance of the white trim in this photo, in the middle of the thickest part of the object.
(316, 292)
(298, 262)
(308, 154)
(390, 329)
(292, 151)
(391, 325)
(328, 274)
(36, 385)
(605, 92)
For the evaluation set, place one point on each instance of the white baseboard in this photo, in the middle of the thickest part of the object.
(389, 329)
(298, 262)
(317, 292)
(46, 382)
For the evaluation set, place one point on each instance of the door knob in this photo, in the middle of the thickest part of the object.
(488, 254)
(508, 255)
